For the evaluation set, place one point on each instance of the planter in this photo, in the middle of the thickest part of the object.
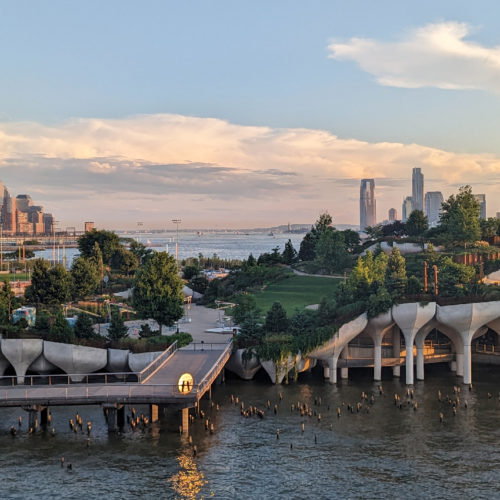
(75, 360)
(21, 353)
(244, 369)
(137, 362)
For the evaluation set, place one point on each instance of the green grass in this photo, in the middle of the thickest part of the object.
(296, 292)
(14, 277)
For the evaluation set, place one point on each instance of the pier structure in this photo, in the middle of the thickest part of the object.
(175, 380)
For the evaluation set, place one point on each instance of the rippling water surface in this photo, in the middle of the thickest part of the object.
(386, 452)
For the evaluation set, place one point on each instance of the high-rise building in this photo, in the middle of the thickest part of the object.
(393, 215)
(417, 189)
(89, 226)
(481, 199)
(433, 201)
(367, 204)
(407, 208)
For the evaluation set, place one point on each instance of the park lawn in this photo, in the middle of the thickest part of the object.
(296, 292)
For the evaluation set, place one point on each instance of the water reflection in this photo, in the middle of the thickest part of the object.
(188, 481)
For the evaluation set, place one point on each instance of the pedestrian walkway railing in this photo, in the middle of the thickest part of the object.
(157, 363)
(487, 349)
(207, 346)
(216, 368)
(72, 379)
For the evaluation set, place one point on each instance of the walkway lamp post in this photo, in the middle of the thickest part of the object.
(436, 272)
(425, 276)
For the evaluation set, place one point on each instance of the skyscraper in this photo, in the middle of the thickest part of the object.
(393, 214)
(481, 199)
(367, 204)
(407, 208)
(417, 189)
(433, 201)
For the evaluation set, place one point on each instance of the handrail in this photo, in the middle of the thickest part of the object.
(157, 363)
(222, 360)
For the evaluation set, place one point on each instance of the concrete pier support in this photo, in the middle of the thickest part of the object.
(460, 364)
(44, 417)
(153, 412)
(332, 362)
(377, 359)
(344, 371)
(396, 350)
(115, 416)
(420, 363)
(184, 413)
(409, 360)
(453, 366)
(326, 371)
(467, 364)
(33, 418)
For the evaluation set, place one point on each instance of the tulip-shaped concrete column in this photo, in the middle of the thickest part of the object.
(376, 328)
(331, 349)
(396, 349)
(467, 319)
(411, 318)
(420, 340)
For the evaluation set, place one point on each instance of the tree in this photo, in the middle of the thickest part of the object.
(351, 239)
(245, 303)
(331, 252)
(416, 224)
(49, 285)
(8, 302)
(107, 241)
(157, 291)
(117, 329)
(454, 278)
(140, 251)
(190, 271)
(276, 320)
(83, 327)
(124, 261)
(308, 244)
(489, 227)
(60, 331)
(289, 253)
(251, 331)
(396, 273)
(85, 277)
(459, 218)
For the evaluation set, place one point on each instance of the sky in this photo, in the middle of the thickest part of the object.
(245, 114)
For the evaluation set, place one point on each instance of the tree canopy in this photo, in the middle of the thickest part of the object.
(157, 291)
(417, 223)
(459, 220)
(108, 242)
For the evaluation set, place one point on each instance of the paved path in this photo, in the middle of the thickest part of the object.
(331, 276)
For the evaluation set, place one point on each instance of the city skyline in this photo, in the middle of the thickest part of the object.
(242, 115)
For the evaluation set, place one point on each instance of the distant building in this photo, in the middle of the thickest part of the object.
(407, 208)
(367, 204)
(393, 215)
(48, 223)
(481, 199)
(498, 215)
(89, 226)
(433, 202)
(417, 189)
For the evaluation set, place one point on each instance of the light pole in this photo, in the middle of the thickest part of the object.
(177, 222)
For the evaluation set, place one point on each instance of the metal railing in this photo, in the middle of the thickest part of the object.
(72, 379)
(206, 346)
(487, 349)
(157, 363)
(216, 368)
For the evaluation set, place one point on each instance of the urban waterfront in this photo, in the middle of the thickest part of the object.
(384, 452)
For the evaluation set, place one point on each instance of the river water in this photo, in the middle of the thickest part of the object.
(386, 452)
(227, 245)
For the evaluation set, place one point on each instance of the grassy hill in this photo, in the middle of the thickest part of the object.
(296, 292)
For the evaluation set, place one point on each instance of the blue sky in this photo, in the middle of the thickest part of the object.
(392, 84)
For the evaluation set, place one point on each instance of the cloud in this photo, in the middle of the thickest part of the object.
(210, 171)
(436, 55)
